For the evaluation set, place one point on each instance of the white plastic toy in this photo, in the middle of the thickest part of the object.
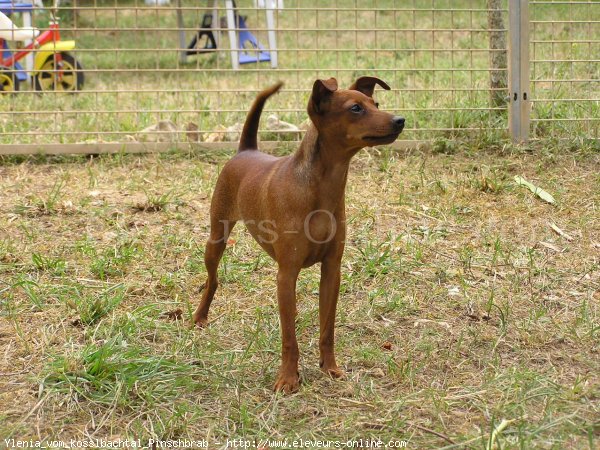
(10, 32)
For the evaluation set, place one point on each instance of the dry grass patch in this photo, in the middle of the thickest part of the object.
(460, 306)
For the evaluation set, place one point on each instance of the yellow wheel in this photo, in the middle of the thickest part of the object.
(8, 81)
(65, 76)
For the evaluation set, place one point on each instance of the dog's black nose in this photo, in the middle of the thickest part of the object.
(398, 121)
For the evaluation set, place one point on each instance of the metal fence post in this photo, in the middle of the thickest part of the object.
(518, 72)
(182, 40)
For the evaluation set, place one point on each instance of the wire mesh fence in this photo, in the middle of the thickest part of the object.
(131, 79)
(565, 68)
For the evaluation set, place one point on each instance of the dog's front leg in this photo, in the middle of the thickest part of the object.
(288, 378)
(328, 298)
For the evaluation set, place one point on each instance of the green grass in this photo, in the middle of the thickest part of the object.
(134, 77)
(453, 317)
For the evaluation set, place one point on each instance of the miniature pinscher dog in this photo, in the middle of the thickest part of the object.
(294, 205)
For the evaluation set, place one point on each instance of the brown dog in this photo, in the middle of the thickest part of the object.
(294, 205)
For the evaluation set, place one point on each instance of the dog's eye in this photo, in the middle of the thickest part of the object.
(377, 105)
(356, 108)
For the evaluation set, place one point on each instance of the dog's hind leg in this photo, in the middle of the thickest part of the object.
(215, 246)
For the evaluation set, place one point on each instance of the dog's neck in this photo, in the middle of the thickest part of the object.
(319, 156)
(320, 162)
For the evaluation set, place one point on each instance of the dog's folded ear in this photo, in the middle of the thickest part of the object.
(366, 85)
(321, 91)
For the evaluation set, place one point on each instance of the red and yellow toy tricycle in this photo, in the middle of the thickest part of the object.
(54, 68)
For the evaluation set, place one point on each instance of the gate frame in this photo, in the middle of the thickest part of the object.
(519, 110)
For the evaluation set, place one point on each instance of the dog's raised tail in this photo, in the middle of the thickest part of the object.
(248, 140)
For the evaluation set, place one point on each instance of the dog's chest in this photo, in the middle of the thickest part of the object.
(320, 226)
(306, 241)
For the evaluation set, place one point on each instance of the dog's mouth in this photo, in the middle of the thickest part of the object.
(385, 138)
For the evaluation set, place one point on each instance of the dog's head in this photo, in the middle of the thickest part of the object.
(351, 116)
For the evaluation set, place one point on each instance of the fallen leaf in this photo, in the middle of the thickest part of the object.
(421, 322)
(387, 345)
(378, 372)
(274, 123)
(216, 136)
(192, 132)
(560, 232)
(136, 224)
(176, 314)
(453, 291)
(233, 133)
(109, 236)
(550, 246)
(163, 131)
(536, 190)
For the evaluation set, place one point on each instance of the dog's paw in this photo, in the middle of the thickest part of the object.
(333, 372)
(287, 383)
(200, 322)
(329, 367)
